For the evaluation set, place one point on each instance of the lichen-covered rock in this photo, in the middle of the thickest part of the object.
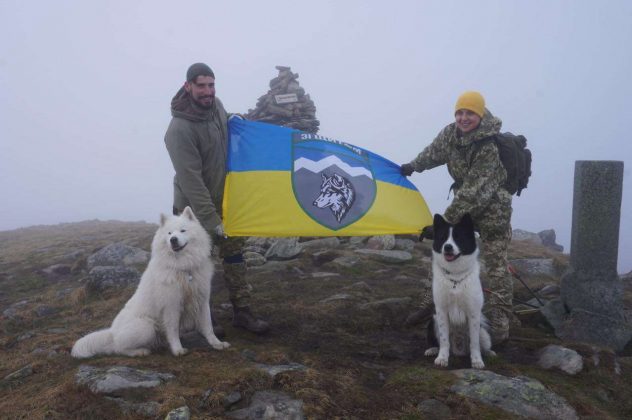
(407, 245)
(117, 378)
(106, 277)
(568, 360)
(270, 405)
(519, 395)
(274, 370)
(180, 413)
(254, 259)
(319, 244)
(535, 266)
(284, 249)
(386, 242)
(118, 254)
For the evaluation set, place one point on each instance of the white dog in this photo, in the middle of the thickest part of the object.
(172, 296)
(457, 294)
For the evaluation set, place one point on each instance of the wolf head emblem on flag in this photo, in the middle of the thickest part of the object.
(332, 180)
(336, 193)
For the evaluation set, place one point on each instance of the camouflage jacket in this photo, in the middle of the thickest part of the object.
(477, 171)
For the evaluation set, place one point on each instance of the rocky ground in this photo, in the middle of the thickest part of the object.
(340, 344)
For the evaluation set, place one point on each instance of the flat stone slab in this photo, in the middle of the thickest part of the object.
(20, 373)
(274, 370)
(347, 261)
(321, 274)
(386, 256)
(520, 395)
(284, 249)
(322, 243)
(390, 304)
(270, 405)
(338, 297)
(118, 378)
(271, 266)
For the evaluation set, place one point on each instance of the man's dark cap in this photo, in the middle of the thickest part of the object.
(199, 69)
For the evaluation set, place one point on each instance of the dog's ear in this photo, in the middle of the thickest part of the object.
(438, 221)
(188, 213)
(466, 220)
(163, 219)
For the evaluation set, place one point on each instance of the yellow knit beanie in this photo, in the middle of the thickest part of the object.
(473, 101)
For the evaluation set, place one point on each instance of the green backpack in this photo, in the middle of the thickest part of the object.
(516, 159)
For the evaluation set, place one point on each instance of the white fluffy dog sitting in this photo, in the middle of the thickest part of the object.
(457, 294)
(172, 296)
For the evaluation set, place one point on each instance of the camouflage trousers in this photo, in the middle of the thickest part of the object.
(494, 226)
(230, 253)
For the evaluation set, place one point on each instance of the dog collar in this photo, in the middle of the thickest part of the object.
(454, 282)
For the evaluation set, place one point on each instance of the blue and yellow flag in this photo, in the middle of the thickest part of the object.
(285, 182)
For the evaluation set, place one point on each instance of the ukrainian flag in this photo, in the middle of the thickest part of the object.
(285, 182)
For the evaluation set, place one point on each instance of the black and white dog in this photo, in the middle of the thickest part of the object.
(457, 294)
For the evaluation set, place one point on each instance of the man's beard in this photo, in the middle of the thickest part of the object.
(203, 105)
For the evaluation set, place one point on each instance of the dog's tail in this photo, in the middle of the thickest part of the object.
(98, 342)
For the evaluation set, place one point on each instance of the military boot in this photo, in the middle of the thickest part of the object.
(243, 318)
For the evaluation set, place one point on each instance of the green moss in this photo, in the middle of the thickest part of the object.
(421, 380)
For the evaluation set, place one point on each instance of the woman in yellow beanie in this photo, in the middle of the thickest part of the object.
(479, 178)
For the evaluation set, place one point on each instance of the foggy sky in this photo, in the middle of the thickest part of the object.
(85, 89)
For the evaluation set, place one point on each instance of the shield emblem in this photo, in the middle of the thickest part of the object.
(332, 181)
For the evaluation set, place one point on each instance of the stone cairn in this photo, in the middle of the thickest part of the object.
(286, 104)
(591, 289)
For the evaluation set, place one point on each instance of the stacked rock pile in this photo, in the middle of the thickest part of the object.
(286, 104)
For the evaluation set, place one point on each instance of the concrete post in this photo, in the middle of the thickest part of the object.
(591, 290)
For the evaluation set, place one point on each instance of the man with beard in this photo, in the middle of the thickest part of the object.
(197, 143)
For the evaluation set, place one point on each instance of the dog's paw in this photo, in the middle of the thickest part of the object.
(179, 352)
(432, 351)
(490, 353)
(441, 361)
(478, 364)
(221, 345)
